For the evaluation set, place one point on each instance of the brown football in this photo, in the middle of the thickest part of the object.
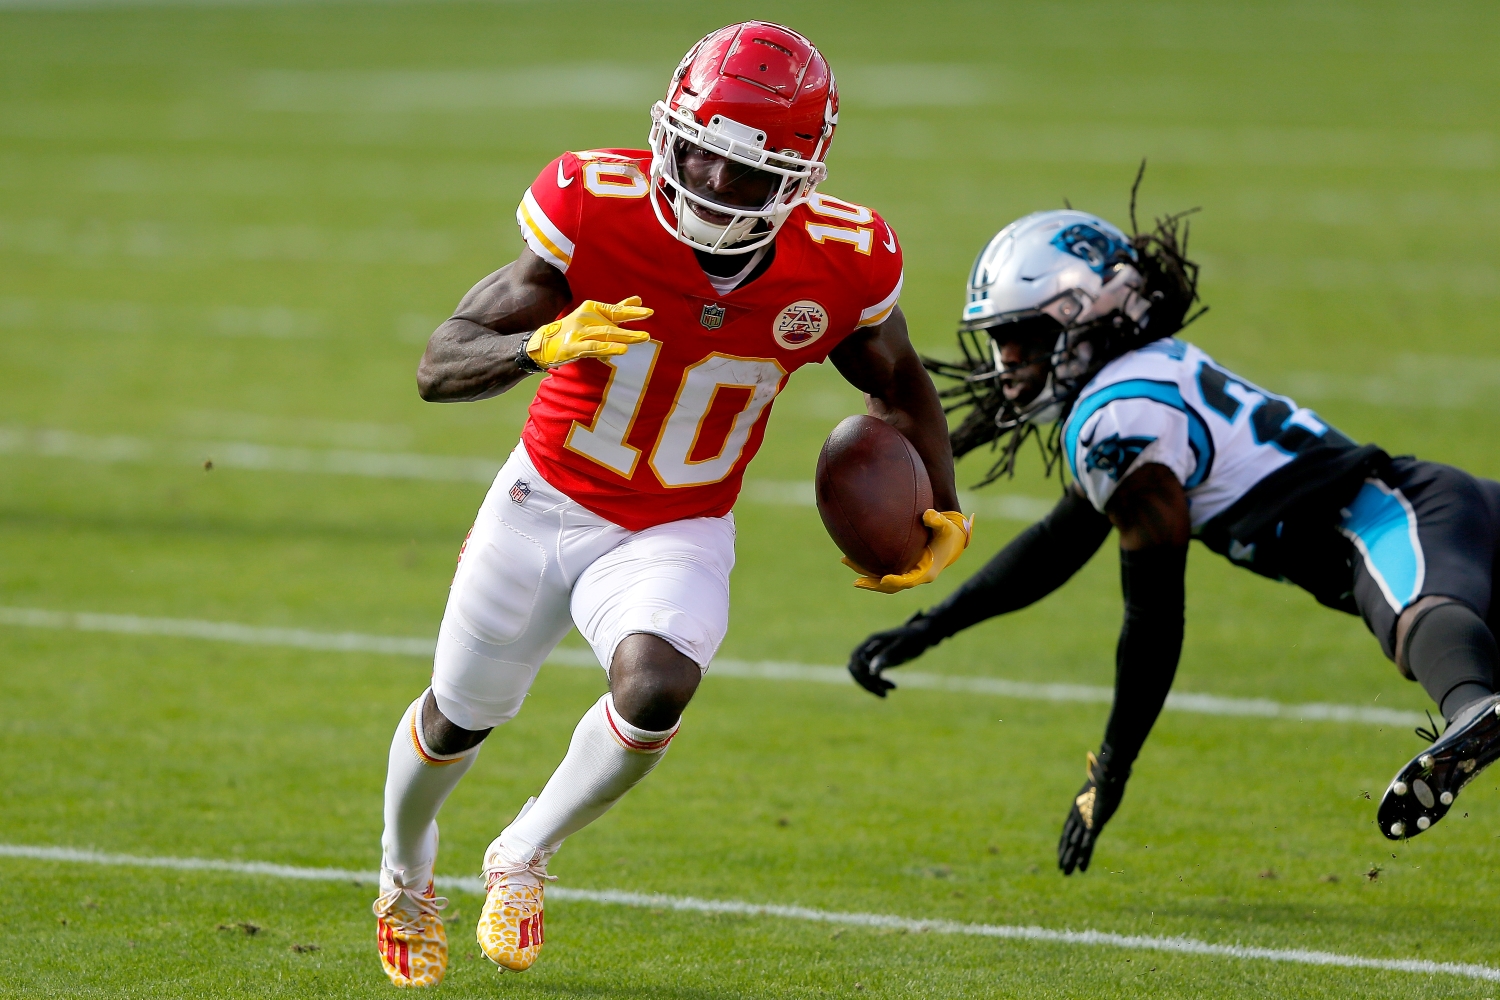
(872, 490)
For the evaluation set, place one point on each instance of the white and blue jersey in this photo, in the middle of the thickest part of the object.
(1279, 492)
(1169, 403)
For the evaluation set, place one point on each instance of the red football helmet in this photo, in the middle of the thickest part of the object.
(754, 93)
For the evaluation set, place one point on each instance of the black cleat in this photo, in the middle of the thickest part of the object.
(1423, 791)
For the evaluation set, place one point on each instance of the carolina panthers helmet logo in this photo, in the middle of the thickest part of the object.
(1115, 455)
(1098, 250)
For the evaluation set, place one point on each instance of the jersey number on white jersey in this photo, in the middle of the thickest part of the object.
(1270, 416)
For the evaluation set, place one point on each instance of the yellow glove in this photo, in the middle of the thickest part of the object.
(590, 331)
(950, 536)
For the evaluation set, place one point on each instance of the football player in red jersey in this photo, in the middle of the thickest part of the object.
(665, 296)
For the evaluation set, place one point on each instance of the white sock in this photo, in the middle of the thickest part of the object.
(605, 760)
(416, 783)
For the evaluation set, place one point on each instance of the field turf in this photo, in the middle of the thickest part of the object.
(225, 231)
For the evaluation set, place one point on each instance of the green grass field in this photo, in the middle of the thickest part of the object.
(225, 231)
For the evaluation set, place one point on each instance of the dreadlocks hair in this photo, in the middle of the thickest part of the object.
(1169, 281)
(1169, 278)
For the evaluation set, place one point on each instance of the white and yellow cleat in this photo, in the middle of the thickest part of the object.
(510, 928)
(409, 930)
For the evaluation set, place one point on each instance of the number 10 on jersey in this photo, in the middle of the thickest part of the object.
(604, 441)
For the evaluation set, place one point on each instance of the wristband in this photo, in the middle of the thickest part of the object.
(526, 362)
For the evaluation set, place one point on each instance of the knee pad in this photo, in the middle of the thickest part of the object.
(474, 687)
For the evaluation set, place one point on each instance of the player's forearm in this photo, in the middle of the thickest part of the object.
(911, 405)
(1150, 646)
(881, 362)
(465, 361)
(1034, 564)
(474, 355)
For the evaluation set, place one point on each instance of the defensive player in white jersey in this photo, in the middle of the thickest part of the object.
(728, 270)
(1067, 335)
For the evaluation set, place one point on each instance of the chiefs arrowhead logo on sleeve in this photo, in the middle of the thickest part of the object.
(799, 324)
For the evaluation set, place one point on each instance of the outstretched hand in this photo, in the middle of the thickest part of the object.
(592, 330)
(1094, 804)
(890, 648)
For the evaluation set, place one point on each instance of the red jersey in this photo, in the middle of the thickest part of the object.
(664, 431)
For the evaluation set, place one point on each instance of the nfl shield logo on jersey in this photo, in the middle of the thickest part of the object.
(799, 324)
(712, 316)
(520, 491)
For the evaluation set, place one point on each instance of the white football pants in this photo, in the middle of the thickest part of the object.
(536, 562)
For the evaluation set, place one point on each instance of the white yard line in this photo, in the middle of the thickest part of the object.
(689, 904)
(52, 443)
(244, 455)
(189, 628)
(357, 642)
(98, 5)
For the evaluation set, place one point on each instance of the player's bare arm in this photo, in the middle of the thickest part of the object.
(883, 365)
(473, 354)
(898, 390)
(1150, 509)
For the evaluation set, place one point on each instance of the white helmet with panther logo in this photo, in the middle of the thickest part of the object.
(1058, 274)
(1075, 292)
(1069, 265)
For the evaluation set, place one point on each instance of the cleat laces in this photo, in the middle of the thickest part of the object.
(532, 872)
(405, 907)
(1430, 735)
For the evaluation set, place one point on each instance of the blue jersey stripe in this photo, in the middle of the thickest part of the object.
(1166, 393)
(1382, 525)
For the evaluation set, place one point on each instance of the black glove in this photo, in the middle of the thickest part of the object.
(1035, 563)
(1095, 803)
(891, 649)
